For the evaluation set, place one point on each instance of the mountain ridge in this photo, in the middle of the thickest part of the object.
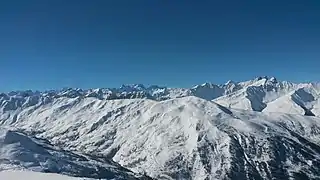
(259, 94)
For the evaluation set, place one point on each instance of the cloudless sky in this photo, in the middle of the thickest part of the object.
(47, 44)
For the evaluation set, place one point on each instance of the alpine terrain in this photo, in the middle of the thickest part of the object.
(261, 129)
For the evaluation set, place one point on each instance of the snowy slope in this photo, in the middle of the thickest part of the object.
(269, 95)
(254, 95)
(180, 138)
(30, 175)
(304, 100)
(20, 152)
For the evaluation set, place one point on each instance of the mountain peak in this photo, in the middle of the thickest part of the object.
(273, 80)
(261, 78)
(230, 82)
(206, 84)
(258, 78)
(132, 87)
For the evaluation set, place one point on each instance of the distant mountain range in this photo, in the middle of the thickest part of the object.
(260, 94)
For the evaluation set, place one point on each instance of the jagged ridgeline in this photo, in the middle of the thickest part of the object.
(260, 94)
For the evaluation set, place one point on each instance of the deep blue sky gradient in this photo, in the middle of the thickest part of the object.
(47, 44)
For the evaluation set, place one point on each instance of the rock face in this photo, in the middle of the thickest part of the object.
(178, 138)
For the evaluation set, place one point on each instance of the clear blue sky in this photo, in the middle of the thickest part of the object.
(48, 44)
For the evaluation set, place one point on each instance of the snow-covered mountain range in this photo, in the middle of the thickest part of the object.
(260, 94)
(257, 129)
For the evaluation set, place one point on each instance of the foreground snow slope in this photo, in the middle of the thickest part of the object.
(30, 175)
(180, 138)
(20, 152)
